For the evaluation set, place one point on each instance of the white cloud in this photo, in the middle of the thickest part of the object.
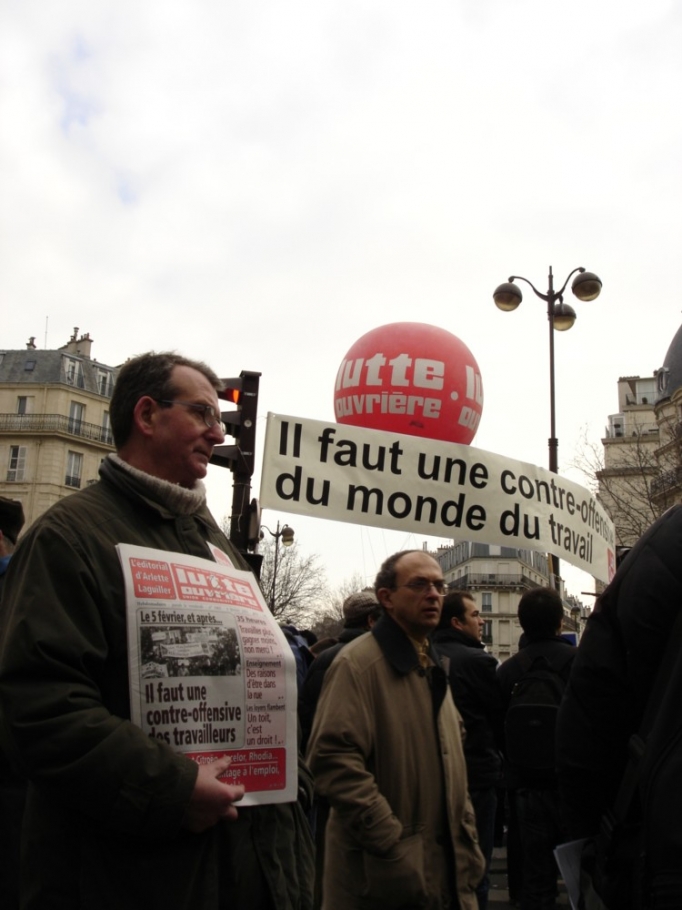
(260, 184)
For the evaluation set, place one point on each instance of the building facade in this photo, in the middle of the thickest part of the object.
(641, 475)
(497, 576)
(631, 459)
(54, 422)
(667, 488)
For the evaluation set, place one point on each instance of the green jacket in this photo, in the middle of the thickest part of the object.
(104, 819)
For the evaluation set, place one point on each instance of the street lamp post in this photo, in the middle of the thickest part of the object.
(560, 316)
(286, 535)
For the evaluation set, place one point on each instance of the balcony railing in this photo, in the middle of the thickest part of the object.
(667, 482)
(55, 424)
(493, 580)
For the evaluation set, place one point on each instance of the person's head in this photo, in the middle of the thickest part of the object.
(410, 587)
(165, 416)
(309, 636)
(460, 612)
(360, 610)
(387, 573)
(541, 613)
(11, 523)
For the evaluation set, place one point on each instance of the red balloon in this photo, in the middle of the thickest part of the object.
(411, 378)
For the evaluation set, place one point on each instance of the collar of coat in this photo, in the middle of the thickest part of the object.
(402, 656)
(168, 498)
(458, 636)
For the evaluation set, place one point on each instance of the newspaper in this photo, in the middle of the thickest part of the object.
(211, 673)
(568, 857)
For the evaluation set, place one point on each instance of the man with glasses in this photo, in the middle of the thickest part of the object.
(386, 752)
(116, 818)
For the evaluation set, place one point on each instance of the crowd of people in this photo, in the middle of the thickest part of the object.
(413, 740)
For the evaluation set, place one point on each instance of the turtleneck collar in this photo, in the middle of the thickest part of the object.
(175, 498)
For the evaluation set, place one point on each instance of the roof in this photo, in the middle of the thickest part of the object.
(45, 367)
(669, 377)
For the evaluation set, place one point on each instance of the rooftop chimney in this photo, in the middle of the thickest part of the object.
(79, 346)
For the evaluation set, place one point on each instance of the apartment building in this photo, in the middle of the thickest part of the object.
(631, 459)
(54, 421)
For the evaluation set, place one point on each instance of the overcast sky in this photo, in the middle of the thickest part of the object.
(258, 184)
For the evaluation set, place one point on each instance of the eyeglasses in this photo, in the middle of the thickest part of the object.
(422, 585)
(207, 411)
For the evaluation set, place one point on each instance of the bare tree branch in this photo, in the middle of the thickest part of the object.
(348, 586)
(623, 473)
(300, 587)
(328, 620)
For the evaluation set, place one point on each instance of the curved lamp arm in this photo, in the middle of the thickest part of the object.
(551, 294)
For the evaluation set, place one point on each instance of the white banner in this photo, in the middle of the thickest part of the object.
(440, 489)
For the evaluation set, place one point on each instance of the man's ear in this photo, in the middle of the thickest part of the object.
(383, 596)
(144, 414)
(456, 623)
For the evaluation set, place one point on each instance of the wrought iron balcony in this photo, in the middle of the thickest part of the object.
(666, 482)
(493, 580)
(55, 425)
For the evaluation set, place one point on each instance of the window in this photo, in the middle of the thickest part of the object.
(73, 370)
(662, 378)
(74, 469)
(486, 603)
(105, 383)
(487, 634)
(106, 429)
(76, 415)
(25, 404)
(29, 366)
(646, 391)
(17, 464)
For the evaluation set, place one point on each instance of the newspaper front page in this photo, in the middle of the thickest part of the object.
(211, 673)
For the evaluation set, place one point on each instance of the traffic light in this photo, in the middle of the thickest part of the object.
(240, 457)
(239, 423)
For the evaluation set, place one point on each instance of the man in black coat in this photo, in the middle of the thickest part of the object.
(623, 646)
(535, 792)
(477, 695)
(360, 611)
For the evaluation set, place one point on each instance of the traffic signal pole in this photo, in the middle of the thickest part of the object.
(240, 459)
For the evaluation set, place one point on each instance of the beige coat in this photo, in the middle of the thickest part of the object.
(386, 752)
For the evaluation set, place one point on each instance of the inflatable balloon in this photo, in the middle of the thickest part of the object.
(411, 378)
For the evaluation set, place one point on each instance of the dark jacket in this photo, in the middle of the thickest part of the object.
(4, 565)
(618, 658)
(554, 649)
(12, 800)
(106, 803)
(478, 698)
(312, 686)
